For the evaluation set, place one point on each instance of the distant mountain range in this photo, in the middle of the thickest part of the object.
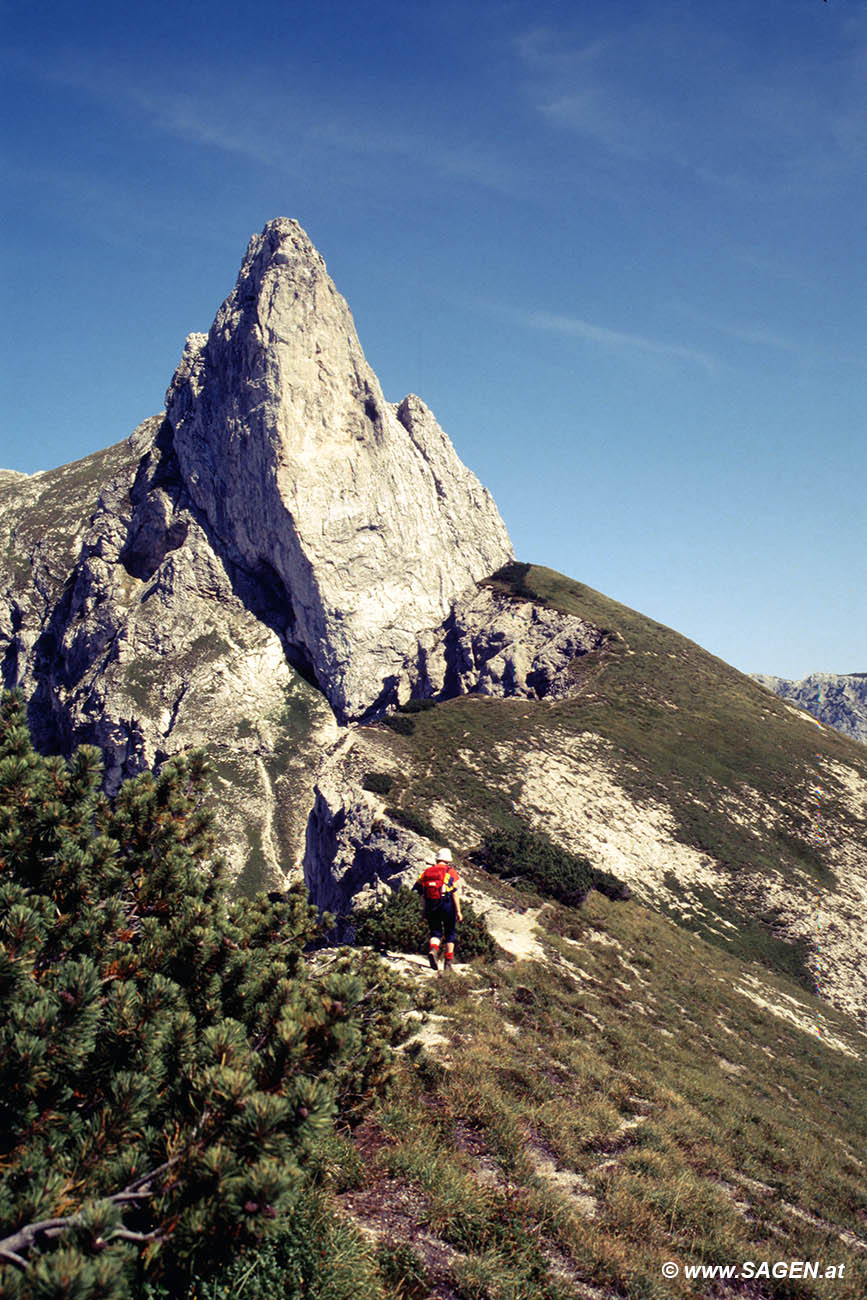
(837, 699)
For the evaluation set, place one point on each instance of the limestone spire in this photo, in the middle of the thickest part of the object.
(361, 510)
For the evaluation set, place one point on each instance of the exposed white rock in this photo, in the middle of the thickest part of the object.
(361, 510)
(571, 792)
(797, 1013)
(493, 644)
(353, 851)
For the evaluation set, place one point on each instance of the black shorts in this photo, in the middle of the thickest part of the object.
(442, 918)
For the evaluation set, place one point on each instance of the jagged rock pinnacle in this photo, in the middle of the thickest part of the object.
(359, 509)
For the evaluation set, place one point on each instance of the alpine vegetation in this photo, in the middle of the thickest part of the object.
(168, 1062)
(270, 663)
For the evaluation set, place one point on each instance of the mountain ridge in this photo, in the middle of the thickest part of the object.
(183, 588)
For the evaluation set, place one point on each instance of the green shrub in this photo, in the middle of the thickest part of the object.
(167, 1062)
(398, 925)
(474, 938)
(532, 859)
(414, 821)
(512, 578)
(610, 886)
(400, 722)
(377, 782)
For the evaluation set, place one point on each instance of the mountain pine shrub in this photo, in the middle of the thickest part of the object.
(377, 782)
(167, 1065)
(402, 720)
(402, 723)
(397, 924)
(413, 821)
(530, 858)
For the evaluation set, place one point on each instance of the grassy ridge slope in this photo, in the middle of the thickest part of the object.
(723, 727)
(43, 517)
(733, 765)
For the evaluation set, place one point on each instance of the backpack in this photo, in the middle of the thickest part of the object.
(433, 882)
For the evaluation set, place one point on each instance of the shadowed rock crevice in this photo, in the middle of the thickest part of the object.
(155, 528)
(10, 665)
(352, 850)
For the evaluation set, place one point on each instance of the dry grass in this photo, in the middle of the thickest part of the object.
(577, 1130)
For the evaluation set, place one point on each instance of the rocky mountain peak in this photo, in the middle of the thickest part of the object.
(359, 510)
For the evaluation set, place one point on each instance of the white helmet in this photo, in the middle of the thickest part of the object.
(444, 855)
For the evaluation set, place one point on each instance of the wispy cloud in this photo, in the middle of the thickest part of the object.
(691, 92)
(579, 86)
(807, 350)
(213, 122)
(462, 160)
(286, 129)
(617, 340)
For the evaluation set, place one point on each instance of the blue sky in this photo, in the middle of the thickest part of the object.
(617, 247)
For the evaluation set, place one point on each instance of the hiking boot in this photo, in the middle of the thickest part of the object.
(432, 960)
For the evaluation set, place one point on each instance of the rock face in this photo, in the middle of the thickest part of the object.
(252, 569)
(127, 629)
(361, 512)
(353, 852)
(837, 699)
(494, 645)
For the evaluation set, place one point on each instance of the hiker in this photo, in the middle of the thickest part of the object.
(438, 885)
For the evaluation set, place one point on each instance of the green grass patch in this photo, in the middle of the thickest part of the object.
(402, 1270)
(317, 1256)
(752, 938)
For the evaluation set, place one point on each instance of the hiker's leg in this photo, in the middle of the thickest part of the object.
(434, 921)
(449, 927)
